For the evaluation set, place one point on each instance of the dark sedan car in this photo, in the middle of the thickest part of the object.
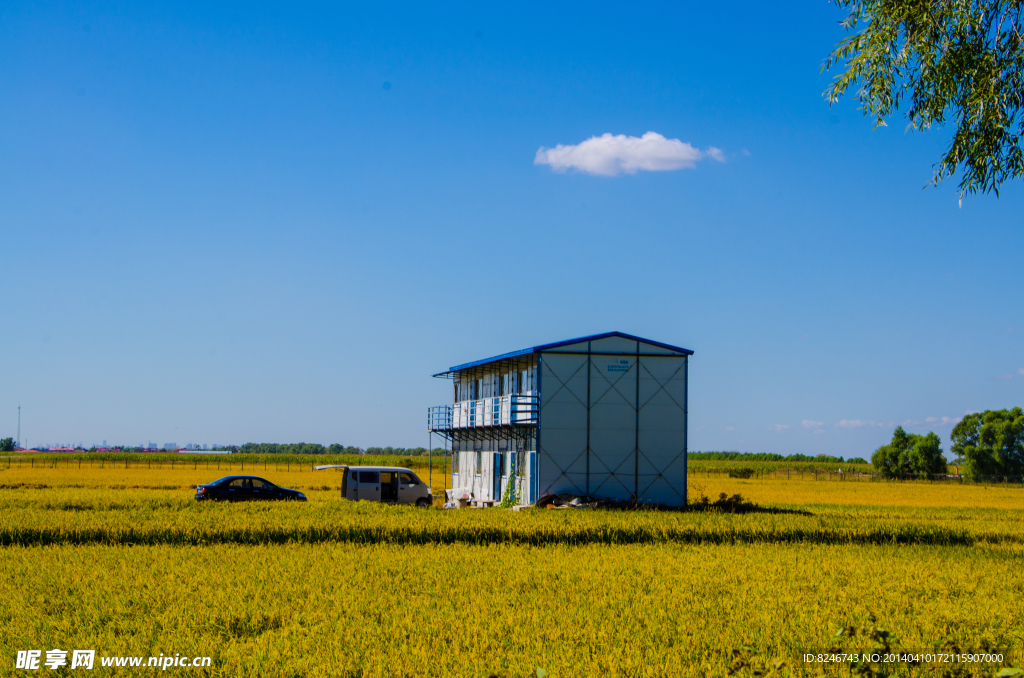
(245, 488)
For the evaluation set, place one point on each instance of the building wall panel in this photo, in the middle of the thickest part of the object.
(612, 425)
(661, 432)
(580, 347)
(613, 345)
(563, 412)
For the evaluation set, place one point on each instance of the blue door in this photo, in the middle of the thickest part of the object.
(496, 471)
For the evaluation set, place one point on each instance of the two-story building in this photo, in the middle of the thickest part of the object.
(598, 416)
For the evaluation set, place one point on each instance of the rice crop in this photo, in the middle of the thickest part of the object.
(778, 491)
(72, 516)
(178, 477)
(725, 465)
(124, 561)
(464, 610)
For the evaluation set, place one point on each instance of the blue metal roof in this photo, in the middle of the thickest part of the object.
(545, 347)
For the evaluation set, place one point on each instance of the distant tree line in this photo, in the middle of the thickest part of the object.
(335, 448)
(989, 443)
(6, 444)
(768, 456)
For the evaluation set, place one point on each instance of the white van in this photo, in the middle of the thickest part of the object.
(389, 484)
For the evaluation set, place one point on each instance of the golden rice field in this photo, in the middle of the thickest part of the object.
(164, 477)
(125, 562)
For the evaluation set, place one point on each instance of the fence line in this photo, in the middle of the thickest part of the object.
(147, 464)
(242, 466)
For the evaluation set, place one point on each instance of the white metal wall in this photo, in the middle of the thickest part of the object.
(637, 421)
(478, 480)
(497, 411)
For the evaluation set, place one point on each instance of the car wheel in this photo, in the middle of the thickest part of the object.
(422, 502)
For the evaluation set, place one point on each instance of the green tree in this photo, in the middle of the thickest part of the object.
(991, 442)
(942, 59)
(910, 454)
(6, 444)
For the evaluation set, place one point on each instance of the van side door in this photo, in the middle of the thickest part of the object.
(388, 486)
(369, 485)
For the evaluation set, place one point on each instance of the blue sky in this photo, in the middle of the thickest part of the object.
(273, 223)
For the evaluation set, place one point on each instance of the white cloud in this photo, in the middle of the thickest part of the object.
(1004, 377)
(1020, 371)
(610, 154)
(942, 421)
(857, 423)
(778, 427)
(812, 424)
(933, 421)
(715, 154)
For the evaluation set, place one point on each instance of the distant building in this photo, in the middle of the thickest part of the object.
(602, 416)
(170, 446)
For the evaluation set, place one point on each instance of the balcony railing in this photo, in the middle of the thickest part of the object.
(439, 418)
(510, 410)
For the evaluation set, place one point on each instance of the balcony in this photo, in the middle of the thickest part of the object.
(510, 410)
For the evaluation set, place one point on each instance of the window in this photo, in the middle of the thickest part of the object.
(479, 459)
(458, 398)
(371, 477)
(354, 478)
(408, 479)
(238, 483)
(258, 484)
